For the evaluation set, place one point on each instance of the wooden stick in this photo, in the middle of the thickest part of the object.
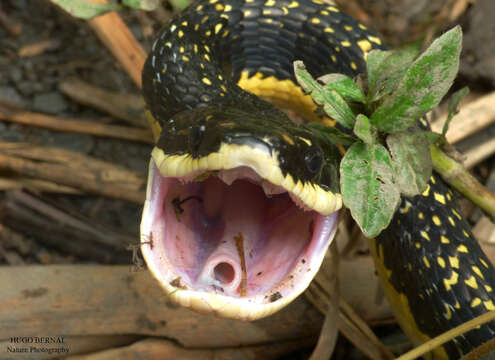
(119, 40)
(72, 169)
(74, 300)
(77, 126)
(158, 349)
(127, 107)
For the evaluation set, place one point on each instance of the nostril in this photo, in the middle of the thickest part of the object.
(224, 272)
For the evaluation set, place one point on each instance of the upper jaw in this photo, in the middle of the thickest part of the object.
(164, 170)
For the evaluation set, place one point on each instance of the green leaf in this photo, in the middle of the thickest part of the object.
(386, 69)
(344, 85)
(411, 160)
(331, 134)
(422, 87)
(179, 4)
(455, 99)
(364, 130)
(367, 186)
(333, 104)
(147, 5)
(85, 9)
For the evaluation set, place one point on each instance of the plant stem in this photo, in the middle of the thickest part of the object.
(458, 177)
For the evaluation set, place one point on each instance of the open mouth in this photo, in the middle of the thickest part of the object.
(230, 242)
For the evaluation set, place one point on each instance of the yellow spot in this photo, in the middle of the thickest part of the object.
(228, 8)
(329, 30)
(348, 28)
(196, 27)
(418, 245)
(426, 261)
(202, 66)
(409, 267)
(452, 281)
(270, 3)
(345, 43)
(195, 48)
(436, 220)
(293, 4)
(207, 57)
(337, 49)
(477, 271)
(362, 27)
(213, 1)
(444, 240)
(184, 23)
(440, 198)
(199, 8)
(221, 94)
(218, 27)
(451, 221)
(288, 139)
(353, 65)
(324, 12)
(315, 20)
(318, 2)
(267, 12)
(462, 249)
(247, 13)
(168, 44)
(476, 301)
(164, 70)
(206, 81)
(207, 48)
(405, 208)
(472, 282)
(427, 191)
(180, 34)
(425, 235)
(285, 10)
(441, 262)
(421, 215)
(220, 77)
(457, 305)
(375, 39)
(488, 288)
(432, 179)
(484, 263)
(449, 197)
(225, 33)
(185, 58)
(181, 49)
(456, 214)
(365, 45)
(270, 20)
(489, 305)
(307, 141)
(332, 8)
(454, 262)
(219, 7)
(334, 59)
(465, 233)
(448, 313)
(208, 33)
(223, 88)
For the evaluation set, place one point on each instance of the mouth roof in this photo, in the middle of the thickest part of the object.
(230, 241)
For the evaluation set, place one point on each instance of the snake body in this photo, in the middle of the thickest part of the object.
(434, 272)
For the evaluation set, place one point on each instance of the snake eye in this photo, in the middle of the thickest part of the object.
(313, 159)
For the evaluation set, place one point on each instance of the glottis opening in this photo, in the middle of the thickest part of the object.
(232, 234)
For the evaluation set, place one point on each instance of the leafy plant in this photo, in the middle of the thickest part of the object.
(388, 154)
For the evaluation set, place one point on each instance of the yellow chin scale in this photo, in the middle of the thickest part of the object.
(231, 156)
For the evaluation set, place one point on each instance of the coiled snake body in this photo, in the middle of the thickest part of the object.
(242, 202)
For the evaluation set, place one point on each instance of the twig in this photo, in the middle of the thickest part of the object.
(118, 38)
(77, 126)
(457, 176)
(127, 107)
(38, 48)
(72, 169)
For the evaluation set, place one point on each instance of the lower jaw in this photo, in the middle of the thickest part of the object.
(243, 256)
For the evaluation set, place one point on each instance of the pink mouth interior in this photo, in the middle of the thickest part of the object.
(232, 239)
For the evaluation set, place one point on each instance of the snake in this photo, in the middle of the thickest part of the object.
(243, 200)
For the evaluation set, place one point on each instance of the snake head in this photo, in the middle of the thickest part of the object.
(240, 207)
